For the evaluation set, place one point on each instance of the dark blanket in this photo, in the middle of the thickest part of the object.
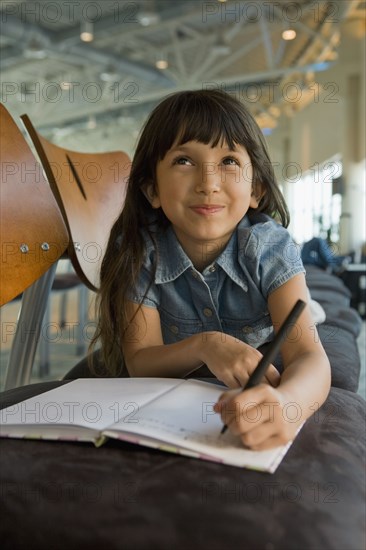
(342, 325)
(123, 496)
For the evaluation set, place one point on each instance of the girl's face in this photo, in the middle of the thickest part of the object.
(204, 191)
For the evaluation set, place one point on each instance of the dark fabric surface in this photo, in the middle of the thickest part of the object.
(317, 277)
(342, 351)
(83, 369)
(334, 297)
(339, 331)
(123, 496)
(15, 395)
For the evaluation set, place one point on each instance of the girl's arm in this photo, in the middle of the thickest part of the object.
(145, 354)
(304, 384)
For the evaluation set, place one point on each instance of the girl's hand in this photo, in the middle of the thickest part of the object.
(260, 416)
(233, 361)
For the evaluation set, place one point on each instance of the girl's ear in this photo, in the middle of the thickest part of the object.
(256, 196)
(150, 193)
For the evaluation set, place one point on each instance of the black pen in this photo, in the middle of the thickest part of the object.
(274, 347)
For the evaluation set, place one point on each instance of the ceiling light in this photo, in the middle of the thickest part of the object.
(161, 64)
(289, 34)
(87, 36)
(87, 31)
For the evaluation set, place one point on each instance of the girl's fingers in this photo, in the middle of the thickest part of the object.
(273, 376)
(243, 418)
(263, 438)
(231, 381)
(226, 396)
(242, 412)
(256, 416)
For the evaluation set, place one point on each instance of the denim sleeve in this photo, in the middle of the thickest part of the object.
(273, 256)
(146, 291)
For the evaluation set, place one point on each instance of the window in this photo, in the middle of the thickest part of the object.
(314, 209)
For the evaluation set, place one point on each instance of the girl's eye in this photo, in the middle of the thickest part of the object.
(231, 161)
(183, 161)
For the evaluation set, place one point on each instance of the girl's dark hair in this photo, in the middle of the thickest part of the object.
(208, 116)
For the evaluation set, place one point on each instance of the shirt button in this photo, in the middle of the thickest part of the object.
(207, 312)
(212, 268)
(174, 329)
(247, 329)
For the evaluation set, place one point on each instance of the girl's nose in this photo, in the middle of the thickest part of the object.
(209, 180)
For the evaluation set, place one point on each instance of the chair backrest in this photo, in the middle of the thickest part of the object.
(90, 190)
(32, 231)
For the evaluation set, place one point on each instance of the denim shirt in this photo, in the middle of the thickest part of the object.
(230, 295)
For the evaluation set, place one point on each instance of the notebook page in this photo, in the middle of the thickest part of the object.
(89, 403)
(185, 418)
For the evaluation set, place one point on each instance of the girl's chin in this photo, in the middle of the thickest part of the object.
(206, 238)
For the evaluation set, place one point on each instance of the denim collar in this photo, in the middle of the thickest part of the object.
(172, 261)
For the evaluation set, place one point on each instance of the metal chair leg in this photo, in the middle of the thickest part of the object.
(29, 326)
(44, 343)
(83, 320)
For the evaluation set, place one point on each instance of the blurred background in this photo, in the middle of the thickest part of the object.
(87, 73)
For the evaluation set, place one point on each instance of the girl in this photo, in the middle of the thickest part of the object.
(198, 269)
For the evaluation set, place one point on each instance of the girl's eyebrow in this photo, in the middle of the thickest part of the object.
(178, 148)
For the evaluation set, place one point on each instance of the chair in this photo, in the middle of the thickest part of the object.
(33, 238)
(90, 191)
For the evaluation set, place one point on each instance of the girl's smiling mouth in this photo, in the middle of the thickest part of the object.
(207, 209)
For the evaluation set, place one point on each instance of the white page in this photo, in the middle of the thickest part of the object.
(90, 403)
(184, 417)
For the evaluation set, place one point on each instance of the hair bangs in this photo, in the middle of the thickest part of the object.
(195, 118)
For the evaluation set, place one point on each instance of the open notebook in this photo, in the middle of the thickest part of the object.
(170, 414)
